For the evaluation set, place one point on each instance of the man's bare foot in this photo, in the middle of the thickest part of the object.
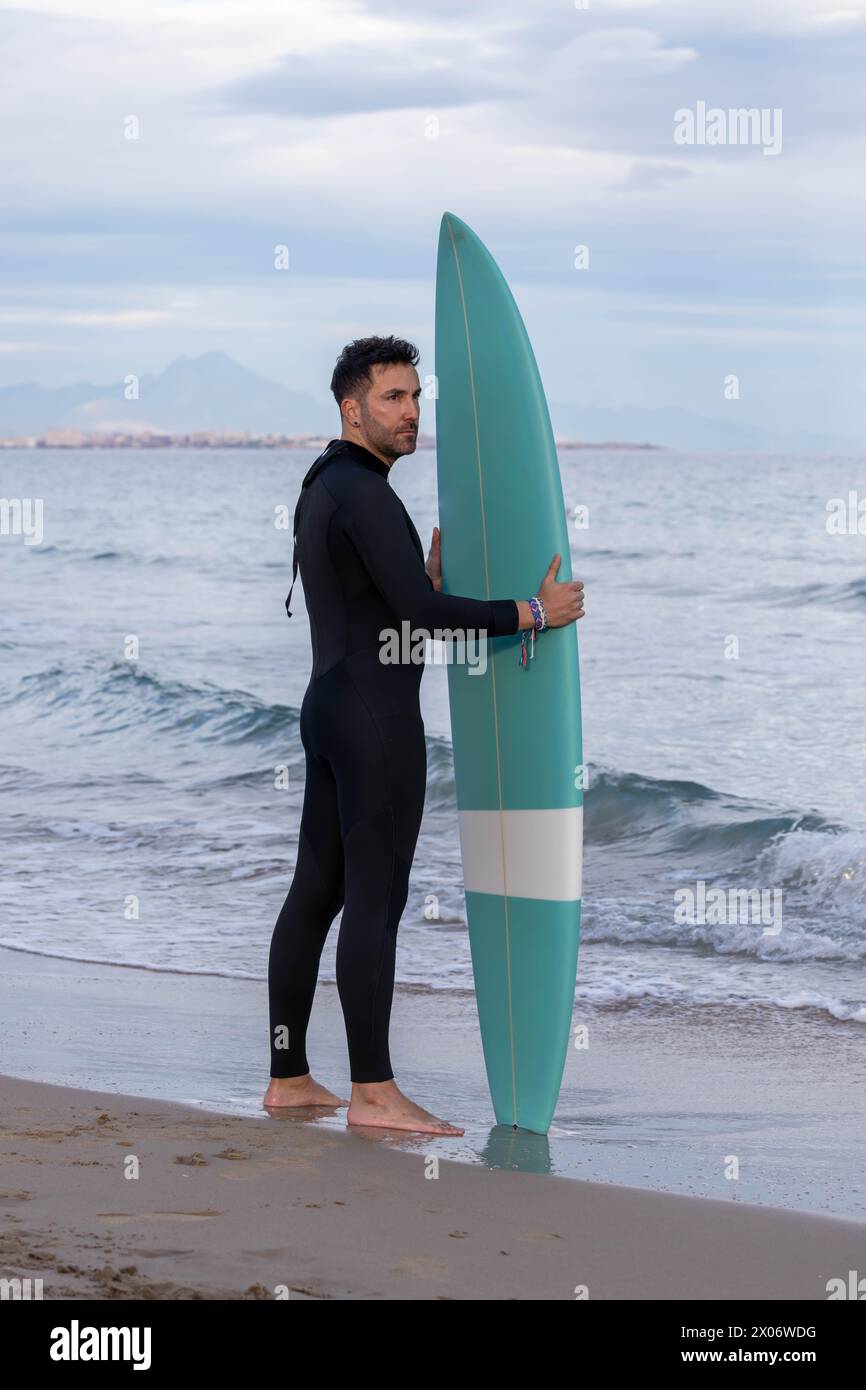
(299, 1090)
(382, 1103)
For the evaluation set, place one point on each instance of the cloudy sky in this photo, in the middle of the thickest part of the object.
(344, 128)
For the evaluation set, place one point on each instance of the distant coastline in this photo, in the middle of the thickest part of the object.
(229, 439)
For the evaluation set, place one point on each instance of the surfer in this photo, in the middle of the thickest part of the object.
(363, 566)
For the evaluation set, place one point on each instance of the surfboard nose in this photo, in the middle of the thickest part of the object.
(453, 229)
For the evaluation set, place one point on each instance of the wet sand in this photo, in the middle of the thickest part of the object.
(112, 1197)
(226, 1201)
(660, 1099)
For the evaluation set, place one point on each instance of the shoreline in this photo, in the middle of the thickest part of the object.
(658, 1100)
(114, 1197)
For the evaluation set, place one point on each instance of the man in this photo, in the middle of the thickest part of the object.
(363, 570)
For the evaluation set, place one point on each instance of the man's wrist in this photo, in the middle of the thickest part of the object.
(526, 617)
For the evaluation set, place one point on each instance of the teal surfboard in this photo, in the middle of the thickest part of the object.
(516, 729)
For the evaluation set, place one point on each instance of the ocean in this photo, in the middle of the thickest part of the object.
(151, 687)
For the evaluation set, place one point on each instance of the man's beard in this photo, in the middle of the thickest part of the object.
(385, 441)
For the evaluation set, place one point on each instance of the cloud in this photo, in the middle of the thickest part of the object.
(91, 318)
(351, 80)
(650, 174)
(691, 17)
(304, 122)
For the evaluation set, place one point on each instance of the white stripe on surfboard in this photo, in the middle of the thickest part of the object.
(543, 853)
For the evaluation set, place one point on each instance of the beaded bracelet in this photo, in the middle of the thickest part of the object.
(539, 613)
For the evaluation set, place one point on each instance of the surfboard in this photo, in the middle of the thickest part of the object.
(516, 728)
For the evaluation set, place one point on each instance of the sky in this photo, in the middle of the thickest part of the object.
(343, 129)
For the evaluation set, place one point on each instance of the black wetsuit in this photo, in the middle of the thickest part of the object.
(363, 571)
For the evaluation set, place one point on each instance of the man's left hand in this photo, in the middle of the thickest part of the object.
(434, 561)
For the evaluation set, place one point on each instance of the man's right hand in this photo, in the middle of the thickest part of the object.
(563, 602)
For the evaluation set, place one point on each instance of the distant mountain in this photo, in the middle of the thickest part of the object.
(213, 392)
(193, 393)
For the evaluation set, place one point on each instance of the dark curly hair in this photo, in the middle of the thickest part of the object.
(356, 359)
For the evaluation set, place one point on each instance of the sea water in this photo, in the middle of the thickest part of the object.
(151, 770)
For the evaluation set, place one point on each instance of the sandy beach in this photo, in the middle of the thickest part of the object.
(228, 1202)
(233, 1208)
(657, 1100)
